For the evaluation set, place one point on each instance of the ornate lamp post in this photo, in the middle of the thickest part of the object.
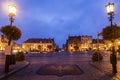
(110, 12)
(12, 12)
(10, 59)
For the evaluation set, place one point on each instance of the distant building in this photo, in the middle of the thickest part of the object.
(98, 44)
(17, 48)
(116, 44)
(3, 42)
(38, 45)
(86, 42)
(78, 43)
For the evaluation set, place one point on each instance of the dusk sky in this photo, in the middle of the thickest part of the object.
(59, 19)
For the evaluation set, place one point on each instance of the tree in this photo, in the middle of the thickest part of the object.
(11, 32)
(97, 56)
(56, 48)
(111, 33)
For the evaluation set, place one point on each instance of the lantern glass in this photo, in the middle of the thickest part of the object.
(110, 8)
(12, 10)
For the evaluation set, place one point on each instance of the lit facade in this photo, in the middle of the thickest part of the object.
(116, 44)
(39, 45)
(3, 43)
(17, 48)
(86, 42)
(83, 43)
(78, 43)
(98, 44)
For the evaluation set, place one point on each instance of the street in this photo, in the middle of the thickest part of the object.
(83, 60)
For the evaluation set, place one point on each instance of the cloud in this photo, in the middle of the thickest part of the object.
(59, 18)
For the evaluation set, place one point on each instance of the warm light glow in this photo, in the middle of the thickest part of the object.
(110, 8)
(14, 51)
(34, 46)
(23, 46)
(71, 47)
(45, 47)
(12, 10)
(119, 42)
(110, 44)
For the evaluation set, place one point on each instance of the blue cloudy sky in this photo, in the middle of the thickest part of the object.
(59, 18)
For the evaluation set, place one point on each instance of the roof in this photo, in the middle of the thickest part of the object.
(77, 39)
(97, 40)
(39, 40)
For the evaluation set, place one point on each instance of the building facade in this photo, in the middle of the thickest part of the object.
(3, 43)
(78, 43)
(38, 45)
(85, 43)
(98, 44)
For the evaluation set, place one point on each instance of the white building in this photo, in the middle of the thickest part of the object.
(38, 45)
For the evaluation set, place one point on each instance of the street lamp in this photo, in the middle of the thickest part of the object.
(10, 59)
(12, 12)
(110, 12)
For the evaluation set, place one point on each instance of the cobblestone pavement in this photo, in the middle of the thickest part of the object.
(91, 71)
(12, 68)
(106, 67)
(2, 63)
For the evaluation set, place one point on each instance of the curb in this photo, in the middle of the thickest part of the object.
(14, 71)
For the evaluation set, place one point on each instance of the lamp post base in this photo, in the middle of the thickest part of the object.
(114, 68)
(113, 61)
(7, 62)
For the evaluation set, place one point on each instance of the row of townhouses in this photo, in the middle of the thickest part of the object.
(83, 43)
(73, 44)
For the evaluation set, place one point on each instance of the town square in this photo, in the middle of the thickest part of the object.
(59, 40)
